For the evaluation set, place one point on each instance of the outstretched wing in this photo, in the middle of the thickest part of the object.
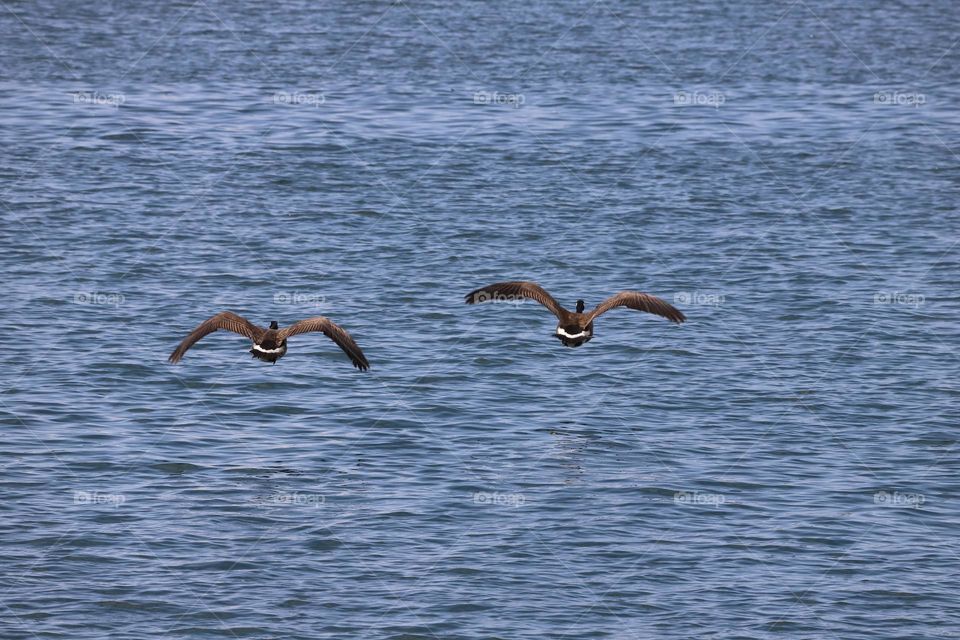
(332, 331)
(225, 320)
(511, 291)
(640, 302)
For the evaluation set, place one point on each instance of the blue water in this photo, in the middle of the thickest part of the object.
(783, 465)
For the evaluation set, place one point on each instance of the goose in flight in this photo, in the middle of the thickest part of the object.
(270, 344)
(575, 328)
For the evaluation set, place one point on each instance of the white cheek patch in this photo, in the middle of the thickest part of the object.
(257, 347)
(561, 332)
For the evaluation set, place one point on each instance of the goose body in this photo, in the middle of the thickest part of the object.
(574, 328)
(269, 345)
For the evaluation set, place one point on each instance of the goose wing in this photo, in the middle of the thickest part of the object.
(513, 290)
(332, 331)
(640, 302)
(225, 320)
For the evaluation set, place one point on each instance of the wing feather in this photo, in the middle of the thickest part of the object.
(640, 302)
(332, 331)
(225, 320)
(505, 291)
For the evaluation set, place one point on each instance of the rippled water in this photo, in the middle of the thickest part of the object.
(782, 465)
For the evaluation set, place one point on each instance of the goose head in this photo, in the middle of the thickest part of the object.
(580, 306)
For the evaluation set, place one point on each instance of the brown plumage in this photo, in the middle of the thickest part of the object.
(270, 344)
(574, 328)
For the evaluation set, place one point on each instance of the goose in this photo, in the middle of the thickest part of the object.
(575, 328)
(270, 344)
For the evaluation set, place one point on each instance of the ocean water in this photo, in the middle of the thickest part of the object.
(783, 465)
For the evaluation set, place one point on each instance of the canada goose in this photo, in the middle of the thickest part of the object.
(270, 344)
(574, 328)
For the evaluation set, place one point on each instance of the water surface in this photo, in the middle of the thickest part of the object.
(782, 465)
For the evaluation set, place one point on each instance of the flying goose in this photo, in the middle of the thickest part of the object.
(270, 344)
(575, 328)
